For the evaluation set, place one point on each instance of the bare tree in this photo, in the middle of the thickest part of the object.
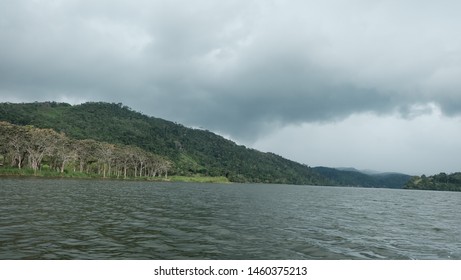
(164, 167)
(158, 165)
(64, 151)
(27, 144)
(42, 142)
(106, 154)
(13, 143)
(140, 160)
(125, 157)
(86, 151)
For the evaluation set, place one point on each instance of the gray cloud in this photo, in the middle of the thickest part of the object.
(238, 67)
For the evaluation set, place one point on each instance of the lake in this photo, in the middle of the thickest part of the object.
(97, 219)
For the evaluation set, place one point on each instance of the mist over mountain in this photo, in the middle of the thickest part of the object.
(354, 177)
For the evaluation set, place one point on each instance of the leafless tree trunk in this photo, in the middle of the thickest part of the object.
(106, 153)
(42, 142)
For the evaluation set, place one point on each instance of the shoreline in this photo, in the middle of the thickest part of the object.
(28, 173)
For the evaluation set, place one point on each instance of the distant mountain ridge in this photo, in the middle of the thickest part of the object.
(354, 177)
(194, 152)
(365, 171)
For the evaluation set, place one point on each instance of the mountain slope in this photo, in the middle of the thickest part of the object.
(193, 151)
(353, 177)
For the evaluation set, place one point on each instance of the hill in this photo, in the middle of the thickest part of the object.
(354, 177)
(192, 151)
(438, 182)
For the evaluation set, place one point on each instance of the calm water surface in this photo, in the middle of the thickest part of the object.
(79, 219)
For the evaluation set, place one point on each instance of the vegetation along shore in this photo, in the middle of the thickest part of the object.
(108, 140)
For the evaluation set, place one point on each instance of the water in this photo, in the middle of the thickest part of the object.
(79, 219)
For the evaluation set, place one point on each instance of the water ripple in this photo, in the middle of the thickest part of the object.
(67, 219)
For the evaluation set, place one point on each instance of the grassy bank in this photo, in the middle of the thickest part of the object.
(199, 179)
(28, 172)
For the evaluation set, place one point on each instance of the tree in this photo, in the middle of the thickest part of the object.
(139, 159)
(125, 156)
(41, 142)
(34, 146)
(65, 151)
(13, 143)
(5, 132)
(106, 156)
(85, 153)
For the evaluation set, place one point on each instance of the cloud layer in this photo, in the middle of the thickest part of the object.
(423, 144)
(237, 67)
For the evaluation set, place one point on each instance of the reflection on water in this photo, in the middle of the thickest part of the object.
(70, 219)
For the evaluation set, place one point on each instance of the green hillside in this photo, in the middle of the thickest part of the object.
(438, 182)
(192, 151)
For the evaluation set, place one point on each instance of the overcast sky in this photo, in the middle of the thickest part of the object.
(369, 84)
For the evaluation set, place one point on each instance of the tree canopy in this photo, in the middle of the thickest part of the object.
(438, 182)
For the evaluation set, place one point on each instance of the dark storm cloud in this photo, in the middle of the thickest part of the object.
(238, 67)
(275, 94)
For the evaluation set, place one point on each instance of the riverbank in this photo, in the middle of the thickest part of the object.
(27, 172)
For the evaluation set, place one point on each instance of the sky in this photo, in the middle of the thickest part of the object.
(369, 84)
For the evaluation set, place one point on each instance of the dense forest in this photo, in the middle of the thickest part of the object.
(439, 182)
(188, 152)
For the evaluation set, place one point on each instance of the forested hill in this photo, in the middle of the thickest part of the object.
(192, 151)
(438, 182)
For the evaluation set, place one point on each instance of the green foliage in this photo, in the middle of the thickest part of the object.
(11, 171)
(192, 151)
(438, 182)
